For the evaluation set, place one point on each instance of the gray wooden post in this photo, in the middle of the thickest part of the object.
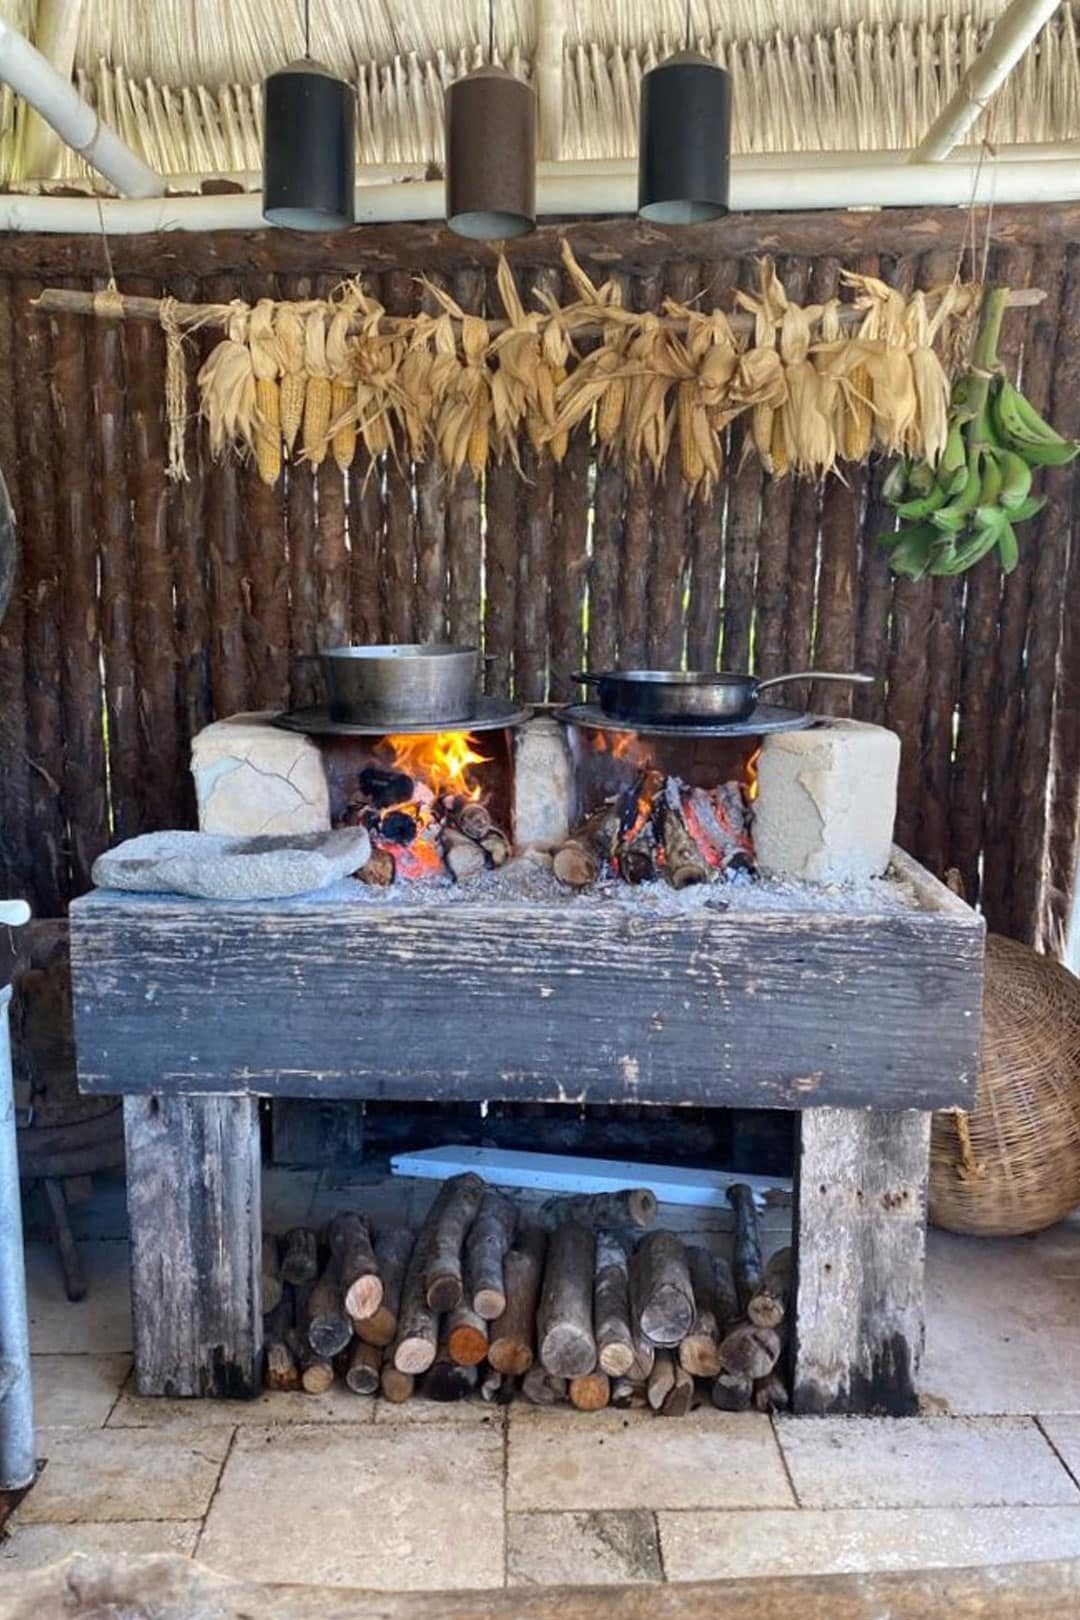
(860, 1247)
(194, 1203)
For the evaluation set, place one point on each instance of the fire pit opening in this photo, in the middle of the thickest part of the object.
(433, 802)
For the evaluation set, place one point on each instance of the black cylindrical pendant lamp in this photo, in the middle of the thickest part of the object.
(490, 155)
(684, 141)
(309, 148)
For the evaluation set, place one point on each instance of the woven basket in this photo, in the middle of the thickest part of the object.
(1013, 1165)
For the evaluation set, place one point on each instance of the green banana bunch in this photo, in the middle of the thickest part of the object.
(967, 506)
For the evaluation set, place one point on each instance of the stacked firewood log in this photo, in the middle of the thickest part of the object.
(587, 1302)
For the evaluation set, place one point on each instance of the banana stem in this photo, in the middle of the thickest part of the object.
(984, 361)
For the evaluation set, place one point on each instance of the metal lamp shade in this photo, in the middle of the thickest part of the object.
(309, 149)
(490, 155)
(684, 141)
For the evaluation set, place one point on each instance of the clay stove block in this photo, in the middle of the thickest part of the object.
(251, 778)
(827, 801)
(543, 782)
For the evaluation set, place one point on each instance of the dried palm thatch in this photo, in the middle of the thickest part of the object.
(185, 90)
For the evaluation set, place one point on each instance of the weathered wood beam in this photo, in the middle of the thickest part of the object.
(860, 1248)
(625, 244)
(193, 1188)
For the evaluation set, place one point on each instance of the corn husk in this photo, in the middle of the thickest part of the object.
(892, 395)
(227, 388)
(803, 436)
(317, 397)
(289, 331)
(703, 410)
(266, 366)
(464, 416)
(758, 382)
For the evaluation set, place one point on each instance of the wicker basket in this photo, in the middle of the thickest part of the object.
(1013, 1165)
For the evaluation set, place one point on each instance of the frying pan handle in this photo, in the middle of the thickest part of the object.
(583, 678)
(855, 679)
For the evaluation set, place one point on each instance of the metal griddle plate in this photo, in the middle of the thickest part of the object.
(493, 714)
(766, 717)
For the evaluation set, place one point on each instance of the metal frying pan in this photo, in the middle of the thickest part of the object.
(666, 697)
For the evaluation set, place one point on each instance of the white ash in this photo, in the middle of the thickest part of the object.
(527, 879)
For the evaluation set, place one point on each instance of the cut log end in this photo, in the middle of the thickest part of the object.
(590, 1393)
(414, 1355)
(364, 1297)
(396, 1386)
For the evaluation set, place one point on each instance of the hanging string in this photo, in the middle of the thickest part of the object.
(307, 30)
(107, 301)
(175, 390)
(688, 45)
(491, 32)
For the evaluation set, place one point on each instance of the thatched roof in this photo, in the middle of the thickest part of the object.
(179, 79)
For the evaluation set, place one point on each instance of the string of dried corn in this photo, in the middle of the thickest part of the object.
(266, 366)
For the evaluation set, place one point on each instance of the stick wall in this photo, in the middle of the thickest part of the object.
(143, 610)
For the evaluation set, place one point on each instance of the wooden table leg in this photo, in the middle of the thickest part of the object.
(194, 1206)
(860, 1244)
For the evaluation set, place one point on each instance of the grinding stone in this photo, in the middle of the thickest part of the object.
(210, 866)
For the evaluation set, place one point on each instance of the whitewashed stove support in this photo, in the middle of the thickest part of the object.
(825, 810)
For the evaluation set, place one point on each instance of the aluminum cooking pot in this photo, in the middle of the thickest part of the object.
(672, 698)
(402, 684)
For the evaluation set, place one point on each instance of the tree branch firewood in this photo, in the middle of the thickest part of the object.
(732, 1392)
(632, 1206)
(771, 1393)
(580, 860)
(511, 1336)
(590, 1392)
(564, 1328)
(280, 1370)
(615, 1351)
(462, 856)
(625, 1394)
(684, 863)
(492, 1234)
(768, 1306)
(543, 1388)
(350, 1244)
(660, 1288)
(466, 1336)
(447, 1380)
(417, 1338)
(270, 1266)
(393, 1248)
(299, 1256)
(396, 1386)
(747, 1267)
(365, 1366)
(699, 1352)
(750, 1351)
(670, 1388)
(448, 1223)
(497, 1388)
(323, 1320)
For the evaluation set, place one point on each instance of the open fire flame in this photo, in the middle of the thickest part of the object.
(439, 766)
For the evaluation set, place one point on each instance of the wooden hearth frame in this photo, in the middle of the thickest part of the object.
(863, 1023)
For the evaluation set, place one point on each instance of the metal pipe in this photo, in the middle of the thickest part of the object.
(1012, 34)
(17, 1459)
(74, 120)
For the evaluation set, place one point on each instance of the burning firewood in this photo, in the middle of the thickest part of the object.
(684, 863)
(564, 1328)
(350, 1244)
(720, 824)
(661, 1289)
(467, 815)
(452, 1214)
(382, 787)
(379, 870)
(393, 1248)
(589, 849)
(510, 1349)
(365, 1366)
(611, 1308)
(463, 857)
(398, 827)
(491, 1236)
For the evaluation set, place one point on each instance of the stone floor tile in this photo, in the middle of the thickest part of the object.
(287, 1196)
(582, 1549)
(77, 1391)
(101, 1322)
(33, 1546)
(475, 1413)
(96, 1475)
(922, 1462)
(1063, 1432)
(1019, 1299)
(727, 1546)
(562, 1460)
(338, 1405)
(382, 1509)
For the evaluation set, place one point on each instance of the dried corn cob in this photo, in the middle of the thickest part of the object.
(227, 387)
(266, 365)
(317, 399)
(289, 330)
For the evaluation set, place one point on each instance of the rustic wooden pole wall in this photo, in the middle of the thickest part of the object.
(142, 609)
